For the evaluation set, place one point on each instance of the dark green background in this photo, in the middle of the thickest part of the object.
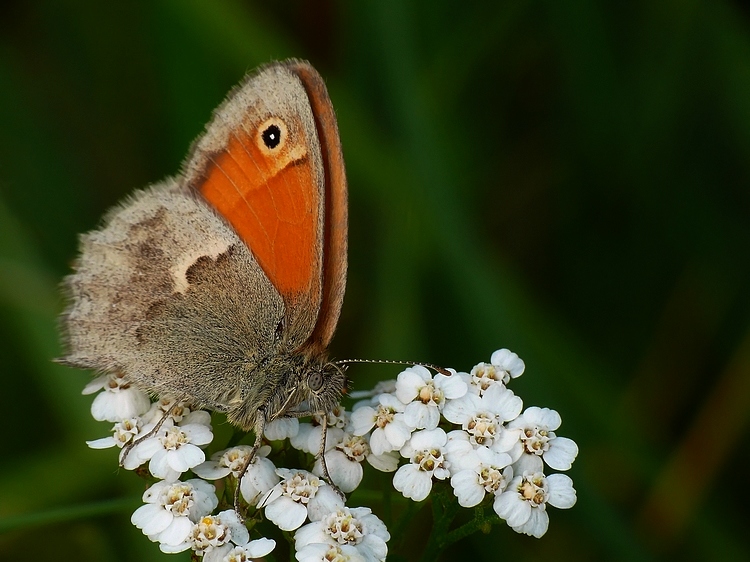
(567, 179)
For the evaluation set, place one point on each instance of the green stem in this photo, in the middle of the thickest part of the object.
(479, 523)
(444, 510)
(403, 523)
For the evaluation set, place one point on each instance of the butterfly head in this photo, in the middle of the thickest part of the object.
(323, 385)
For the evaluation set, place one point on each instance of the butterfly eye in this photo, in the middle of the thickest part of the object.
(315, 381)
(272, 135)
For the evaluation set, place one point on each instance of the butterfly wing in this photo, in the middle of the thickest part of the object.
(335, 234)
(271, 165)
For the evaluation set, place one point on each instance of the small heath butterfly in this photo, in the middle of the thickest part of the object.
(222, 287)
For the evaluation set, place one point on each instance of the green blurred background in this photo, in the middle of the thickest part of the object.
(565, 179)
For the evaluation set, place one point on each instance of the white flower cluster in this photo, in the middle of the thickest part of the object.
(490, 448)
(179, 514)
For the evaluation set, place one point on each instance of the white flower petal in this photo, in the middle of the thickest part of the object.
(371, 522)
(95, 385)
(561, 454)
(211, 470)
(509, 361)
(409, 382)
(140, 453)
(397, 433)
(281, 428)
(543, 417)
(102, 408)
(511, 507)
(174, 549)
(363, 420)
(467, 488)
(374, 546)
(260, 547)
(159, 464)
(387, 462)
(422, 416)
(177, 532)
(379, 442)
(536, 525)
(454, 386)
(151, 519)
(461, 454)
(103, 443)
(286, 514)
(198, 417)
(561, 493)
(461, 409)
(507, 440)
(528, 463)
(301, 441)
(186, 457)
(317, 552)
(505, 403)
(346, 474)
(428, 439)
(198, 434)
(310, 534)
(239, 533)
(259, 479)
(412, 482)
(326, 501)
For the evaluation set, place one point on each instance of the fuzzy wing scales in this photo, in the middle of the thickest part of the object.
(166, 293)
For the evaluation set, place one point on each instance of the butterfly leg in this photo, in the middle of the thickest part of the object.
(322, 449)
(323, 464)
(260, 424)
(130, 446)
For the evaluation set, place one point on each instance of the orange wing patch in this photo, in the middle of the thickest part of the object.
(270, 200)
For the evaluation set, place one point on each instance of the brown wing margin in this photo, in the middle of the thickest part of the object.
(336, 211)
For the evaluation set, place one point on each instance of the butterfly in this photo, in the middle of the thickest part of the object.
(222, 287)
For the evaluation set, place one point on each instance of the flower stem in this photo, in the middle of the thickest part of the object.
(444, 510)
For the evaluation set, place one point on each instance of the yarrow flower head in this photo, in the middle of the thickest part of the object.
(478, 471)
(425, 395)
(387, 417)
(523, 505)
(425, 450)
(482, 418)
(123, 432)
(224, 537)
(299, 494)
(357, 530)
(504, 365)
(259, 477)
(465, 428)
(168, 409)
(537, 433)
(172, 449)
(172, 508)
(120, 400)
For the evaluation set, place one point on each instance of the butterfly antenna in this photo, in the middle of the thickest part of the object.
(435, 368)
